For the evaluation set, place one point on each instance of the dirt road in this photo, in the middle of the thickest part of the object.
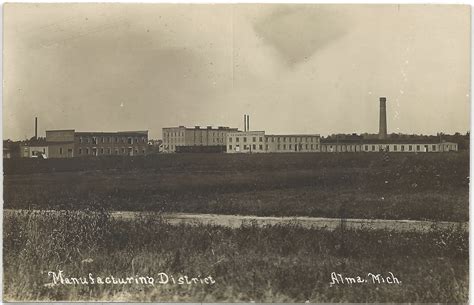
(235, 221)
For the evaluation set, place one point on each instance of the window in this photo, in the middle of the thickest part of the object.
(307, 146)
(402, 147)
(373, 147)
(230, 139)
(254, 146)
(260, 147)
(317, 146)
(410, 148)
(116, 151)
(254, 139)
(236, 139)
(284, 139)
(245, 139)
(80, 139)
(103, 140)
(417, 147)
(312, 147)
(272, 139)
(290, 146)
(284, 146)
(434, 147)
(101, 151)
(395, 148)
(230, 147)
(260, 139)
(266, 147)
(366, 147)
(130, 141)
(60, 150)
(80, 151)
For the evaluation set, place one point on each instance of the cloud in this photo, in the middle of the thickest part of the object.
(298, 32)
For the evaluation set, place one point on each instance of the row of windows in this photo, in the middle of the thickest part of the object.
(181, 134)
(96, 140)
(104, 151)
(214, 140)
(401, 148)
(273, 139)
(279, 146)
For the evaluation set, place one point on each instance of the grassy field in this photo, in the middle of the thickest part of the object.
(393, 186)
(270, 264)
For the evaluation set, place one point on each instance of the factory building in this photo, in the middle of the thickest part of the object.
(197, 139)
(69, 143)
(401, 146)
(384, 143)
(259, 142)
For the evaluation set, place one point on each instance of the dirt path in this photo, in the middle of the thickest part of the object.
(235, 221)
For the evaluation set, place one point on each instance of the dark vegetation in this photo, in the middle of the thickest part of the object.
(387, 186)
(269, 264)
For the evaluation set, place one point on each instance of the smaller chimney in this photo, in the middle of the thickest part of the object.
(245, 122)
(36, 128)
(248, 122)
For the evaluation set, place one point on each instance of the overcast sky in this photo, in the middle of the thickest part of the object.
(293, 68)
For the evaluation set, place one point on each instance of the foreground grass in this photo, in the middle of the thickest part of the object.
(270, 264)
(405, 186)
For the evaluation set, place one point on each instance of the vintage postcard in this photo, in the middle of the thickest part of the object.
(290, 153)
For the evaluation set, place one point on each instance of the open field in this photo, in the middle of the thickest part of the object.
(375, 186)
(272, 263)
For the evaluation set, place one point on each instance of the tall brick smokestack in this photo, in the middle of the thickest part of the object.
(383, 119)
(248, 122)
(245, 122)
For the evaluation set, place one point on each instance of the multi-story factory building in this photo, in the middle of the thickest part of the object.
(259, 142)
(69, 143)
(184, 139)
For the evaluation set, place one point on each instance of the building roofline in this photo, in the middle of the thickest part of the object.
(295, 135)
(203, 128)
(112, 132)
(60, 130)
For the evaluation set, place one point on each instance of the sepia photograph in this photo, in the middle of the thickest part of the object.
(251, 153)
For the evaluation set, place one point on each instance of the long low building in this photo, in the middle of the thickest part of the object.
(259, 142)
(388, 145)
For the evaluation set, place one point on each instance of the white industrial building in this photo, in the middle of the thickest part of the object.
(259, 142)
